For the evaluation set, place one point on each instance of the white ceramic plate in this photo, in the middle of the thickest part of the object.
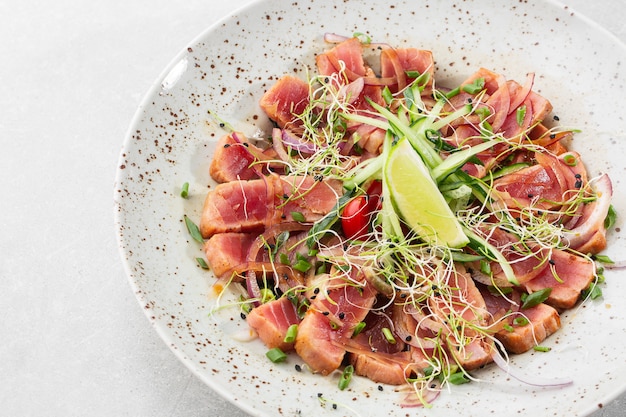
(228, 67)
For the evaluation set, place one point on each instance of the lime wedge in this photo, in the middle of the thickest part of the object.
(418, 199)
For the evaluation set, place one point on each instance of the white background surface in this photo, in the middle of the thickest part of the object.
(74, 341)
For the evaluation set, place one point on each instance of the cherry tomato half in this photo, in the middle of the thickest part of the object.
(355, 219)
(375, 193)
(357, 214)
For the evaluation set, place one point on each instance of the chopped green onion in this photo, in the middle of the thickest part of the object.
(276, 355)
(387, 95)
(389, 336)
(303, 307)
(193, 229)
(284, 259)
(483, 112)
(520, 113)
(542, 348)
(291, 334)
(358, 328)
(184, 192)
(535, 298)
(302, 264)
(458, 378)
(452, 93)
(485, 267)
(245, 306)
(267, 295)
(570, 160)
(475, 87)
(520, 321)
(321, 268)
(202, 263)
(346, 377)
(297, 216)
(508, 328)
(485, 128)
(363, 37)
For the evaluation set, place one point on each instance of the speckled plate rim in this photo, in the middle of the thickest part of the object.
(168, 79)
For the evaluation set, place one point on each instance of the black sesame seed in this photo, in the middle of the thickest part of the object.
(326, 313)
(334, 406)
(243, 316)
(298, 368)
(556, 118)
(408, 338)
(341, 315)
(380, 388)
(316, 291)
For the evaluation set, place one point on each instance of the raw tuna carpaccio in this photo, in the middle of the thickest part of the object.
(257, 202)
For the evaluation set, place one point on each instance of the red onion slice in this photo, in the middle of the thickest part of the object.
(352, 91)
(336, 38)
(254, 292)
(292, 141)
(534, 380)
(579, 235)
(416, 396)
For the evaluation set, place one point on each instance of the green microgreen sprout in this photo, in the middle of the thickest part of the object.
(193, 229)
(535, 298)
(202, 263)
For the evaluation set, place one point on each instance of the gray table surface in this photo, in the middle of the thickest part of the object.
(72, 73)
